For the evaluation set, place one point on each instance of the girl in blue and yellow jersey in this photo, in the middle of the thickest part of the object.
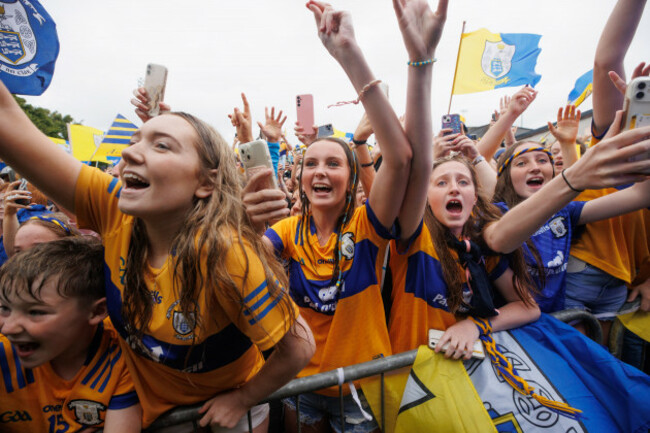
(524, 169)
(334, 251)
(430, 287)
(191, 290)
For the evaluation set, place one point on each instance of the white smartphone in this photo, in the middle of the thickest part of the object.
(255, 157)
(435, 335)
(155, 81)
(637, 108)
(325, 131)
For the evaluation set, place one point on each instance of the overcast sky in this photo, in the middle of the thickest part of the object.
(269, 49)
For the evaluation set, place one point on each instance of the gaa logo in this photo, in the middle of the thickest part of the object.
(19, 415)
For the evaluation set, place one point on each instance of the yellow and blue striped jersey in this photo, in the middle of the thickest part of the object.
(419, 296)
(175, 363)
(348, 323)
(38, 400)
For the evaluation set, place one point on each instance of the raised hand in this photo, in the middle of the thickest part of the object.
(421, 28)
(334, 28)
(444, 143)
(272, 128)
(521, 101)
(263, 205)
(568, 123)
(242, 121)
(303, 137)
(141, 104)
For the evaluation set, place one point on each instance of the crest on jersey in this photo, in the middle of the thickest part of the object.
(183, 324)
(497, 59)
(347, 245)
(558, 226)
(87, 412)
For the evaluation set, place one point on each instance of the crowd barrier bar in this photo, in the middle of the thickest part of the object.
(189, 414)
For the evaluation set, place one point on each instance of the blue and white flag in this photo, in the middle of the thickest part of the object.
(29, 46)
(564, 366)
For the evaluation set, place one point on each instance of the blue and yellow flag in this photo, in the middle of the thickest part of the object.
(489, 61)
(29, 47)
(116, 139)
(582, 88)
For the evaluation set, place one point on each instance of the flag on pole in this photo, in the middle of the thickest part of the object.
(489, 61)
(29, 46)
(117, 138)
(582, 89)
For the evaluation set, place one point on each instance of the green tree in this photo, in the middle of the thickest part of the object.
(51, 123)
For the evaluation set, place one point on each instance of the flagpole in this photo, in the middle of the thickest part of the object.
(456, 68)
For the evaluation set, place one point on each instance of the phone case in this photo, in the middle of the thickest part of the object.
(451, 121)
(436, 334)
(637, 108)
(305, 110)
(325, 131)
(154, 82)
(255, 157)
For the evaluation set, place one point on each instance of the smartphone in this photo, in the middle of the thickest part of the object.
(305, 109)
(435, 335)
(155, 81)
(636, 108)
(452, 121)
(325, 131)
(255, 156)
(22, 187)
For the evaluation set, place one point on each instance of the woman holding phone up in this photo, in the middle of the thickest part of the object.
(335, 252)
(192, 329)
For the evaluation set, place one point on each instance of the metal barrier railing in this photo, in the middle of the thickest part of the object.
(377, 367)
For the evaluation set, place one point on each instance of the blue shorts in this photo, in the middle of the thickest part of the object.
(595, 291)
(314, 407)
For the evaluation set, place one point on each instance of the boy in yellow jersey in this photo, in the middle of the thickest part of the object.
(60, 363)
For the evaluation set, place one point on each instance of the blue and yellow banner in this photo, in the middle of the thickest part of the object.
(582, 89)
(29, 46)
(489, 61)
(116, 139)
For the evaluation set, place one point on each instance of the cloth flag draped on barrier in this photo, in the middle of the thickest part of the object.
(489, 61)
(582, 89)
(117, 138)
(559, 362)
(29, 46)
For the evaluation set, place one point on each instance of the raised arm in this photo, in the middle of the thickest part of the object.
(565, 132)
(33, 155)
(337, 34)
(360, 148)
(517, 105)
(605, 165)
(610, 53)
(421, 30)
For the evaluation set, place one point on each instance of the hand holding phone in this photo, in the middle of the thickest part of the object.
(452, 121)
(435, 335)
(154, 83)
(636, 108)
(255, 157)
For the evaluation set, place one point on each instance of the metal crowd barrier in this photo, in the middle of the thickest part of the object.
(189, 414)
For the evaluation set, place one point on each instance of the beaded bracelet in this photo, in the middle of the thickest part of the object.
(359, 97)
(421, 63)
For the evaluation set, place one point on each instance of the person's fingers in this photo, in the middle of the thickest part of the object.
(618, 82)
(559, 114)
(615, 127)
(283, 120)
(257, 180)
(633, 295)
(247, 108)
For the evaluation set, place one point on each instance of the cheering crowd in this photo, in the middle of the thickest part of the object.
(181, 279)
